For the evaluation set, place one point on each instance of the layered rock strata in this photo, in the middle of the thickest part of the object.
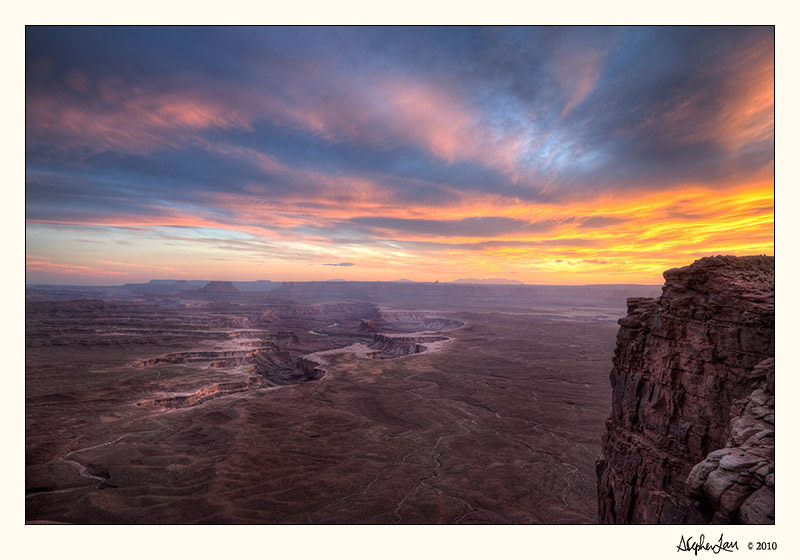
(206, 393)
(690, 438)
(395, 346)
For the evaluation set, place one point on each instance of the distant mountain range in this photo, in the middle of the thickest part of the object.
(467, 292)
(175, 286)
(168, 287)
(486, 281)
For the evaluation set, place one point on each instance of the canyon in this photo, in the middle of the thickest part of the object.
(382, 403)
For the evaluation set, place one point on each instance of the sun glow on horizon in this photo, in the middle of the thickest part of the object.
(642, 238)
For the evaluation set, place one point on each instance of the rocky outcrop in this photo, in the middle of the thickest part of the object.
(269, 367)
(216, 287)
(395, 346)
(306, 368)
(229, 357)
(205, 393)
(285, 338)
(690, 438)
(737, 482)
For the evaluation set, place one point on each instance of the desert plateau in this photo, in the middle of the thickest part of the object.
(220, 405)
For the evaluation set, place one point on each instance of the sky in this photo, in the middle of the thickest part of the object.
(547, 155)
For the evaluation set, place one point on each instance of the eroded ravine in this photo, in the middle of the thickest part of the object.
(270, 366)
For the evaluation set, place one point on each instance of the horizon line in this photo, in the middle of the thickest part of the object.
(340, 281)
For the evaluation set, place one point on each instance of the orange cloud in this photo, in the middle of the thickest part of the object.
(610, 238)
(745, 114)
(749, 116)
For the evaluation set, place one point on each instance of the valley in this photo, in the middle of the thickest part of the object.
(244, 409)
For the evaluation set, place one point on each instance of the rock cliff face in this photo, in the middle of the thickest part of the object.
(206, 393)
(690, 438)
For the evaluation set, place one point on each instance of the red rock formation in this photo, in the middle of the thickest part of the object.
(693, 399)
(396, 346)
(216, 287)
(206, 393)
(737, 482)
(214, 291)
(285, 338)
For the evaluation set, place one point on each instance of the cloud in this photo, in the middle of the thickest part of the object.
(578, 71)
(601, 221)
(635, 116)
(138, 121)
(489, 145)
(44, 266)
(339, 264)
(500, 244)
(473, 226)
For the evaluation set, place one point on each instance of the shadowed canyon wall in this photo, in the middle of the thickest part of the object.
(690, 438)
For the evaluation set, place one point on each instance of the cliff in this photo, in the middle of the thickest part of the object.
(690, 438)
(206, 393)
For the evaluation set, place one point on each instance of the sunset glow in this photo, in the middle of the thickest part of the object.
(545, 155)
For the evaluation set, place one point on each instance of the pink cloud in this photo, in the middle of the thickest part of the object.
(138, 265)
(387, 111)
(133, 120)
(434, 119)
(323, 188)
(378, 110)
(577, 73)
(69, 269)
